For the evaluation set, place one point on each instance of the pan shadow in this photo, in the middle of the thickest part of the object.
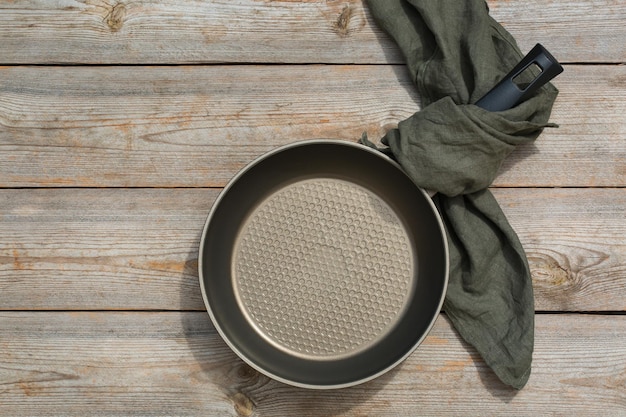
(219, 369)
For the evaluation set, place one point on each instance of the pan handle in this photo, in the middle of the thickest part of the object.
(509, 92)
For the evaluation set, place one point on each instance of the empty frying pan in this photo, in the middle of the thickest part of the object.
(322, 265)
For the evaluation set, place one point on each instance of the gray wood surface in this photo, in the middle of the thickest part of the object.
(121, 121)
(99, 249)
(309, 31)
(196, 126)
(95, 363)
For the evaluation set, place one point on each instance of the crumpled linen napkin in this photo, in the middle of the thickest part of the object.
(455, 53)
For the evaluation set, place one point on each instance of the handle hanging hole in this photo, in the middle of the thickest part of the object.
(525, 74)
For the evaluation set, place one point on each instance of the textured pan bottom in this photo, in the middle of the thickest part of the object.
(323, 268)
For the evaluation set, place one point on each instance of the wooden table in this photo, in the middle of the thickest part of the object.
(121, 121)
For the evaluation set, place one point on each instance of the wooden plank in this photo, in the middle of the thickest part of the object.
(589, 147)
(565, 27)
(575, 242)
(172, 126)
(307, 31)
(101, 248)
(197, 126)
(175, 364)
(134, 249)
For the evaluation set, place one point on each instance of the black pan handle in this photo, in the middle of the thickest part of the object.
(509, 92)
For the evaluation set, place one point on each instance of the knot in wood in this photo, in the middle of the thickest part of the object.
(243, 405)
(247, 373)
(115, 18)
(343, 21)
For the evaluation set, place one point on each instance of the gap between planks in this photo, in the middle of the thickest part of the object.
(174, 311)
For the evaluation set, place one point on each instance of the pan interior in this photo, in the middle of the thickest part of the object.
(323, 268)
(362, 183)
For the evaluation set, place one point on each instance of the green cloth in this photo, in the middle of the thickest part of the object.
(455, 53)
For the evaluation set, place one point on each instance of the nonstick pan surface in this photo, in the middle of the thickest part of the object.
(322, 265)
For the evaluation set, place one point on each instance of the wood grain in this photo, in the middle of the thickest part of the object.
(196, 126)
(244, 31)
(565, 234)
(115, 243)
(101, 248)
(134, 249)
(176, 364)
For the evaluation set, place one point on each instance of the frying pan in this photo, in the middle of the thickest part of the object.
(322, 265)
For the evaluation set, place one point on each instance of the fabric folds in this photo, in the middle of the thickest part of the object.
(455, 53)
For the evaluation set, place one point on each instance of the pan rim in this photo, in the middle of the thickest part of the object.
(224, 335)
